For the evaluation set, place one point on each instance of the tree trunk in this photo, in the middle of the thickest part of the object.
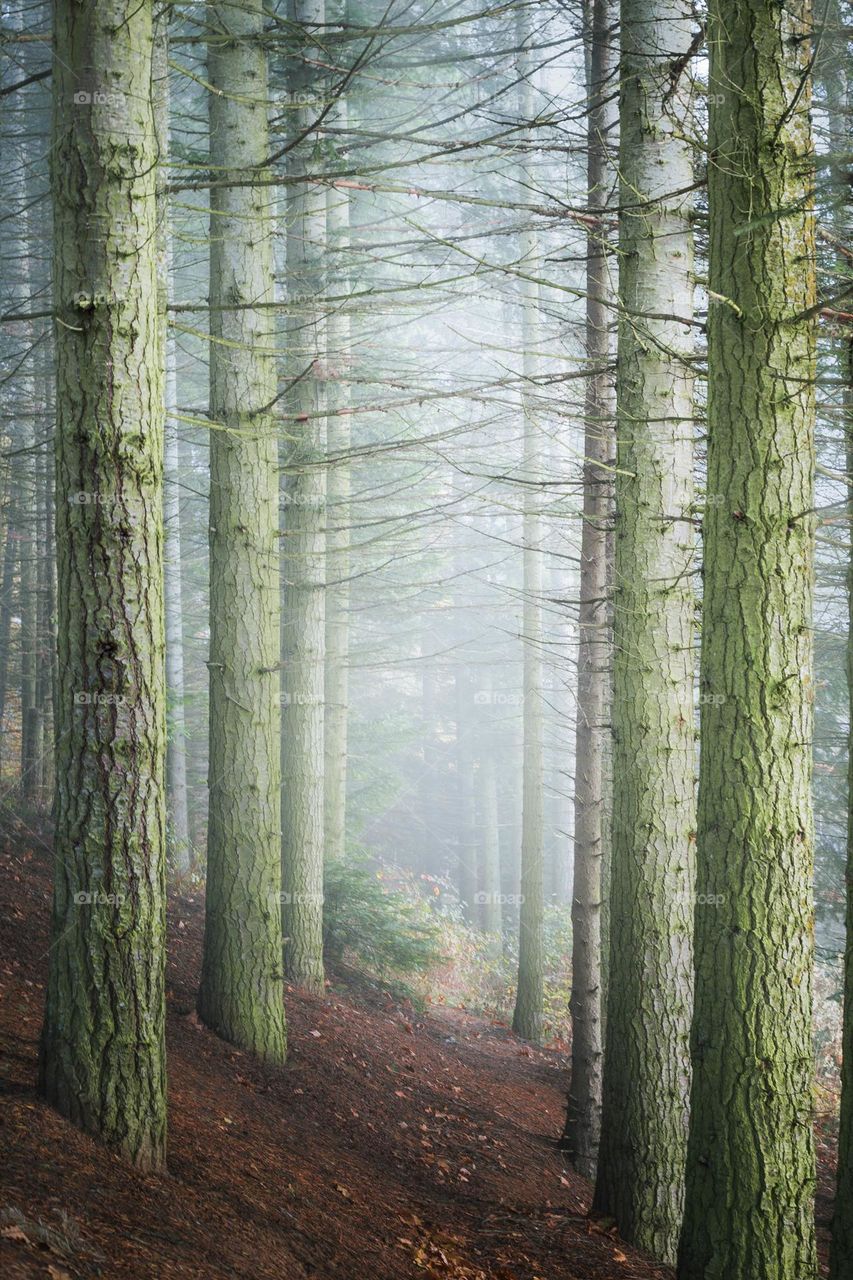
(841, 1254)
(179, 847)
(339, 518)
(29, 611)
(646, 1065)
(6, 598)
(583, 1113)
(833, 69)
(103, 1053)
(241, 992)
(304, 639)
(750, 1175)
(24, 407)
(528, 1013)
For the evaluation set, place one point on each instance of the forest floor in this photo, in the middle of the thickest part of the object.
(393, 1144)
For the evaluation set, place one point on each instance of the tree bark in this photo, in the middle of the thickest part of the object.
(241, 992)
(103, 1053)
(527, 1016)
(841, 1253)
(646, 1065)
(750, 1174)
(6, 596)
(180, 848)
(834, 69)
(305, 498)
(583, 1113)
(339, 360)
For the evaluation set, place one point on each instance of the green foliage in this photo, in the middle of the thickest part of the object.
(377, 921)
(400, 925)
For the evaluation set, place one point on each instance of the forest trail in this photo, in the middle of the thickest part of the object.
(393, 1144)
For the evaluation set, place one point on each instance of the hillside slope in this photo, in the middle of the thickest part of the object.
(391, 1145)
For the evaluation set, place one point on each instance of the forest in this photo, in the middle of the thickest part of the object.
(426, 663)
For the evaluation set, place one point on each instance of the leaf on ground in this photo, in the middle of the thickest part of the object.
(15, 1233)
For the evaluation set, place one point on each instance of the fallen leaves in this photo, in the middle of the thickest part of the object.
(15, 1233)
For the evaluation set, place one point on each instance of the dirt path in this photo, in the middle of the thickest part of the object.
(391, 1146)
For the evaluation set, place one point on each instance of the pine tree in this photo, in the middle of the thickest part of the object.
(835, 72)
(180, 852)
(304, 543)
(527, 1015)
(841, 1254)
(338, 500)
(583, 1112)
(241, 992)
(750, 1173)
(103, 1053)
(646, 1065)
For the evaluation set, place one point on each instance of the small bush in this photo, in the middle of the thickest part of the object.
(376, 922)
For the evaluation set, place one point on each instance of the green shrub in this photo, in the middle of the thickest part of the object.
(375, 922)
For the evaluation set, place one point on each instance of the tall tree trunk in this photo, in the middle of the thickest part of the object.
(838, 82)
(103, 1052)
(24, 407)
(750, 1174)
(583, 1113)
(528, 1013)
(339, 519)
(527, 1016)
(28, 607)
(646, 1065)
(241, 992)
(180, 849)
(47, 656)
(44, 545)
(304, 640)
(841, 1255)
(7, 590)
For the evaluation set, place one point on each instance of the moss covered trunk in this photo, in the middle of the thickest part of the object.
(750, 1178)
(103, 1053)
